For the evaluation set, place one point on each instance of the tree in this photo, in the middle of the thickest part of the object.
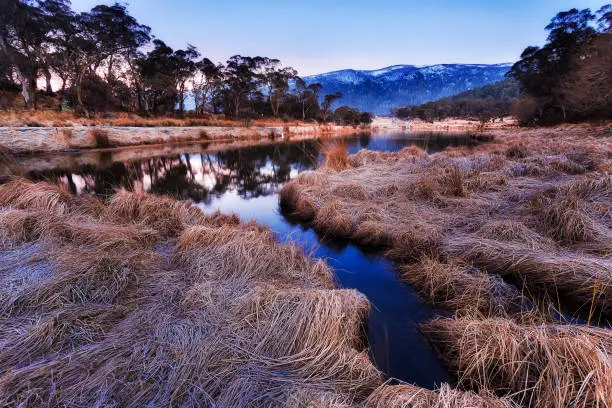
(157, 77)
(27, 32)
(276, 81)
(540, 71)
(241, 81)
(184, 67)
(207, 85)
(106, 34)
(307, 95)
(328, 101)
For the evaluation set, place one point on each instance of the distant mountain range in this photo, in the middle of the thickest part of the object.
(379, 91)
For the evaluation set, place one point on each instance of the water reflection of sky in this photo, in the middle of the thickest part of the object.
(246, 181)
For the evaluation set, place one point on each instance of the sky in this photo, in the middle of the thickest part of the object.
(316, 36)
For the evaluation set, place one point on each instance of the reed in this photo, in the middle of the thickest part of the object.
(536, 365)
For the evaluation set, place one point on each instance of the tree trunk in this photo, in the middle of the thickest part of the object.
(32, 84)
(48, 81)
(78, 85)
(25, 89)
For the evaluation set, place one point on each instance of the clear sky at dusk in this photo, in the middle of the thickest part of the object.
(319, 36)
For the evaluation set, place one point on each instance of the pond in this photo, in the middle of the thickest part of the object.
(246, 180)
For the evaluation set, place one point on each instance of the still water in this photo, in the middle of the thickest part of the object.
(246, 180)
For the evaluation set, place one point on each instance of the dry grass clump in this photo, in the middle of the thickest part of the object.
(586, 280)
(162, 214)
(336, 156)
(8, 164)
(517, 151)
(101, 139)
(461, 288)
(531, 211)
(446, 397)
(578, 212)
(126, 314)
(332, 220)
(535, 365)
(371, 234)
(418, 238)
(283, 326)
(293, 203)
(246, 253)
(22, 194)
(20, 226)
(102, 278)
(351, 191)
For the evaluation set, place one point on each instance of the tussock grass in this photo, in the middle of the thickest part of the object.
(461, 288)
(151, 302)
(445, 397)
(336, 156)
(22, 194)
(513, 234)
(249, 253)
(536, 365)
(584, 279)
(293, 203)
(332, 220)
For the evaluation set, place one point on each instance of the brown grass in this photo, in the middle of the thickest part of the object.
(512, 236)
(21, 194)
(461, 288)
(586, 280)
(445, 397)
(336, 156)
(151, 302)
(536, 365)
(101, 139)
(332, 220)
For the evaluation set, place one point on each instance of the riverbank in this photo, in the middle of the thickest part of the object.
(144, 300)
(390, 124)
(50, 139)
(510, 238)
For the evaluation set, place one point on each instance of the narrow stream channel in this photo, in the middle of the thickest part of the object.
(246, 180)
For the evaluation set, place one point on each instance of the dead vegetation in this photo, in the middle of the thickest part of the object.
(141, 300)
(503, 235)
(539, 365)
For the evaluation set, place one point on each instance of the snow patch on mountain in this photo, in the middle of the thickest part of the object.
(381, 90)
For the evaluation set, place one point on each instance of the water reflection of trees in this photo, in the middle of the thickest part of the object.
(251, 172)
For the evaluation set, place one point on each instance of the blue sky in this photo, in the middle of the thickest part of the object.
(317, 36)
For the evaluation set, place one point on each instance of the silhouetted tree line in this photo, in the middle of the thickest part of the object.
(106, 60)
(486, 103)
(570, 77)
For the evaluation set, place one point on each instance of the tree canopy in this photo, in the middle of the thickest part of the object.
(107, 60)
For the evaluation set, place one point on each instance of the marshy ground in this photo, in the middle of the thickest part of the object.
(142, 300)
(511, 239)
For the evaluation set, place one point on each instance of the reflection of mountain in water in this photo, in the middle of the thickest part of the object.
(200, 175)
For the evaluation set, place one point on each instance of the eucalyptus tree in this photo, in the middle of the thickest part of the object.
(328, 101)
(28, 30)
(207, 85)
(241, 81)
(307, 96)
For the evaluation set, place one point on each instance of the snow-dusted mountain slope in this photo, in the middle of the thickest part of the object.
(381, 90)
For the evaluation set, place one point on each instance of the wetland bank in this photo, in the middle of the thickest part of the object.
(510, 239)
(47, 229)
(239, 309)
